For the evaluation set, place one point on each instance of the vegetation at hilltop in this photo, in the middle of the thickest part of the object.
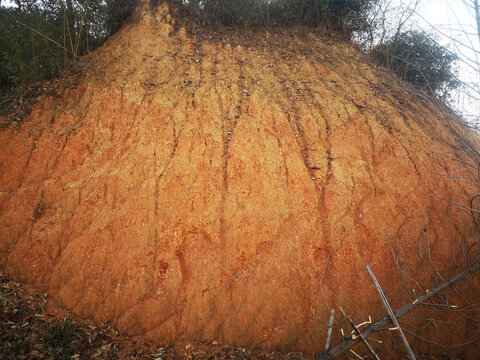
(38, 39)
(420, 60)
(41, 38)
(341, 15)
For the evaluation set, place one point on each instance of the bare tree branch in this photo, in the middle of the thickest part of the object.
(359, 333)
(380, 324)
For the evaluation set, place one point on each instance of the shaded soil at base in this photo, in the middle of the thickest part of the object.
(31, 327)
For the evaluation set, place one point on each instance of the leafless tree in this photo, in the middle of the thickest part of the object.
(388, 19)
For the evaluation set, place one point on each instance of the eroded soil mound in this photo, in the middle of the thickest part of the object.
(230, 187)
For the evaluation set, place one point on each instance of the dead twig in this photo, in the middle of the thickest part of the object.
(359, 333)
(380, 324)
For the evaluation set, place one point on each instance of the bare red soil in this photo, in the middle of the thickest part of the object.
(221, 186)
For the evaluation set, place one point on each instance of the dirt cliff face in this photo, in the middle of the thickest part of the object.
(229, 188)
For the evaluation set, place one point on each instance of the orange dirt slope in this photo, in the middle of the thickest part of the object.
(229, 187)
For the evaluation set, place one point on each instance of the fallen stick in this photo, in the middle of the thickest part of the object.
(380, 324)
(359, 333)
(390, 312)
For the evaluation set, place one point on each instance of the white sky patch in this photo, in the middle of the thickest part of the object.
(454, 26)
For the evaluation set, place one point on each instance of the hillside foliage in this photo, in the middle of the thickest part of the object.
(39, 38)
(340, 15)
(417, 58)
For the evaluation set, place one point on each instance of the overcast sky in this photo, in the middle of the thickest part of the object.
(454, 23)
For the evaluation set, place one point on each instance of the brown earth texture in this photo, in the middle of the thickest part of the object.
(231, 186)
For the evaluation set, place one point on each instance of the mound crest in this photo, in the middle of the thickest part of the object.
(230, 187)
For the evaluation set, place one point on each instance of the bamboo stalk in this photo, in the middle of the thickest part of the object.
(37, 32)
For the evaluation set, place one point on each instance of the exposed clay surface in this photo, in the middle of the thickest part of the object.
(223, 189)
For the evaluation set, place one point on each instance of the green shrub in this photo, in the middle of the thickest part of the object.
(339, 15)
(39, 38)
(420, 60)
(116, 14)
(25, 57)
(235, 13)
(59, 337)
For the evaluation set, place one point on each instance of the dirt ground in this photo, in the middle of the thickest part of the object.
(32, 327)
